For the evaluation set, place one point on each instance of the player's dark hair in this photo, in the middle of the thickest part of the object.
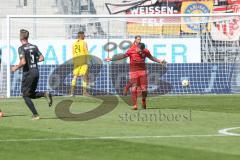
(141, 46)
(137, 36)
(80, 33)
(24, 34)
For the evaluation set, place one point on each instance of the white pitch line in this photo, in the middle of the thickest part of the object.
(110, 138)
(225, 131)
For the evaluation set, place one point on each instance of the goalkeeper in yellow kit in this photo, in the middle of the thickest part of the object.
(80, 58)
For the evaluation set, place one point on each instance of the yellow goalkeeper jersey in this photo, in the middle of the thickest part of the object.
(79, 50)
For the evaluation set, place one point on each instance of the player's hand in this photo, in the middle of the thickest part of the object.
(108, 59)
(163, 62)
(14, 68)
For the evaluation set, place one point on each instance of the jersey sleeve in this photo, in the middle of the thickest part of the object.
(73, 49)
(129, 51)
(147, 52)
(21, 52)
(85, 47)
(127, 54)
(38, 52)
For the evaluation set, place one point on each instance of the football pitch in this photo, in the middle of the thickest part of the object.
(173, 127)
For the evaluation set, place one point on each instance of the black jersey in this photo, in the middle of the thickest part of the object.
(31, 54)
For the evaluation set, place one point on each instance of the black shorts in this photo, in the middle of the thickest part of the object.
(29, 82)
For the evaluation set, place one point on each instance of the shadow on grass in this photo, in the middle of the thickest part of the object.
(15, 115)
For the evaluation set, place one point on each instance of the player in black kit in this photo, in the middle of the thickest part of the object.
(29, 56)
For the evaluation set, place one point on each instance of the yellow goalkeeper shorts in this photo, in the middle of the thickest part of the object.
(80, 70)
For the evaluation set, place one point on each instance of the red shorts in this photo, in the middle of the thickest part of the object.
(139, 78)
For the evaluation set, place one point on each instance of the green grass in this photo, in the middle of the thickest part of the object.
(167, 116)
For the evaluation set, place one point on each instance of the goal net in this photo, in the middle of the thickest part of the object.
(202, 49)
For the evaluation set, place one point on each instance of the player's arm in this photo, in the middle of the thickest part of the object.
(86, 47)
(40, 56)
(73, 53)
(154, 59)
(116, 57)
(119, 56)
(22, 61)
(89, 59)
(73, 50)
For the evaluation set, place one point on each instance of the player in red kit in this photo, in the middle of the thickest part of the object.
(138, 71)
(133, 47)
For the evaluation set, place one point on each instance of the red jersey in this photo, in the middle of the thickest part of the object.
(137, 59)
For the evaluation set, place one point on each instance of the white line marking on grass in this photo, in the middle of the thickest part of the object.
(110, 138)
(225, 131)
